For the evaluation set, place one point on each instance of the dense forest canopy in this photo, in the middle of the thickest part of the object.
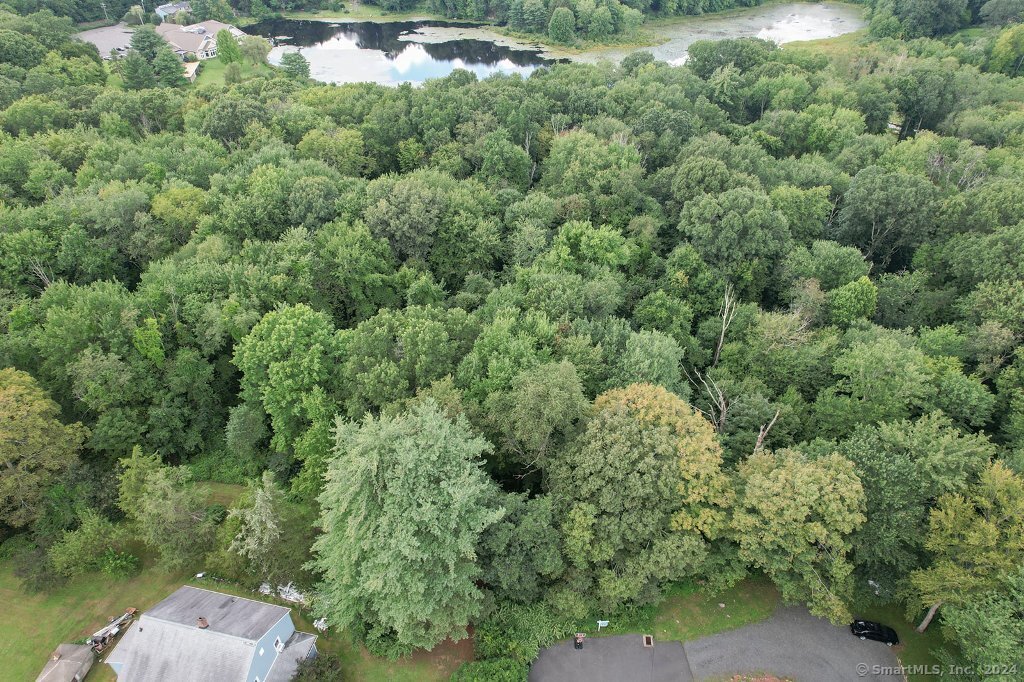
(509, 353)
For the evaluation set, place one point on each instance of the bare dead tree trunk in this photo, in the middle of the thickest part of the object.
(762, 433)
(727, 313)
(718, 404)
(928, 617)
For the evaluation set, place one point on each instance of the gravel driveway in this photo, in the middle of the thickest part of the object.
(792, 643)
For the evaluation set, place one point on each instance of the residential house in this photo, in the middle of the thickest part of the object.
(172, 8)
(69, 663)
(199, 39)
(197, 635)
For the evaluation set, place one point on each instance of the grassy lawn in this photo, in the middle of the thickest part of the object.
(689, 612)
(34, 624)
(212, 72)
(358, 663)
(914, 648)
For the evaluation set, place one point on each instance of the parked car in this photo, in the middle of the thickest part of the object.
(867, 629)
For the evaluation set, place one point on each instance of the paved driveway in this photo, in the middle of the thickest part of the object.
(792, 643)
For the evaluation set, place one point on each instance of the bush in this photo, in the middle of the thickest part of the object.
(323, 668)
(495, 670)
(85, 548)
(118, 564)
(221, 467)
(518, 632)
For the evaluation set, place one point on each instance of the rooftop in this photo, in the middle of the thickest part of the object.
(67, 661)
(226, 614)
(158, 651)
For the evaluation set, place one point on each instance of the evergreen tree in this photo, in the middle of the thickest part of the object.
(168, 70)
(146, 43)
(137, 73)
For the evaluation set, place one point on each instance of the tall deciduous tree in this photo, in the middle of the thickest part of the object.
(976, 538)
(404, 508)
(287, 354)
(639, 494)
(35, 447)
(904, 467)
(793, 519)
(539, 411)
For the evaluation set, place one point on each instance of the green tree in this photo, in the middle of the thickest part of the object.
(739, 232)
(562, 27)
(288, 354)
(255, 49)
(881, 380)
(975, 539)
(295, 65)
(1008, 53)
(171, 517)
(930, 17)
(793, 519)
(887, 215)
(989, 627)
(538, 413)
(84, 549)
(131, 486)
(853, 301)
(404, 508)
(146, 43)
(259, 522)
(168, 70)
(325, 667)
(228, 51)
(137, 72)
(904, 467)
(640, 493)
(35, 447)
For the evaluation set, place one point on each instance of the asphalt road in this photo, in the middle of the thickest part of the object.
(792, 643)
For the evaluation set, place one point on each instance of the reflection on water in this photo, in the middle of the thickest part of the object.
(784, 23)
(389, 53)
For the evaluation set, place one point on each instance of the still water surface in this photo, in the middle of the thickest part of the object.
(393, 52)
(414, 51)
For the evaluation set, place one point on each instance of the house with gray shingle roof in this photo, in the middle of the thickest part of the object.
(172, 8)
(198, 635)
(198, 39)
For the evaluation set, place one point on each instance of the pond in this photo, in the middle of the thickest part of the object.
(395, 52)
(414, 51)
(782, 23)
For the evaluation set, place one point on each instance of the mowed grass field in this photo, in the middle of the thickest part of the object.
(34, 624)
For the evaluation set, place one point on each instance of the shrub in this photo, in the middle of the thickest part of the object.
(518, 632)
(118, 564)
(495, 670)
(85, 548)
(323, 668)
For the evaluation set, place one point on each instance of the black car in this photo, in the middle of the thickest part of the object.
(866, 629)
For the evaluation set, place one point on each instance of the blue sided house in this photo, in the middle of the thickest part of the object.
(197, 635)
